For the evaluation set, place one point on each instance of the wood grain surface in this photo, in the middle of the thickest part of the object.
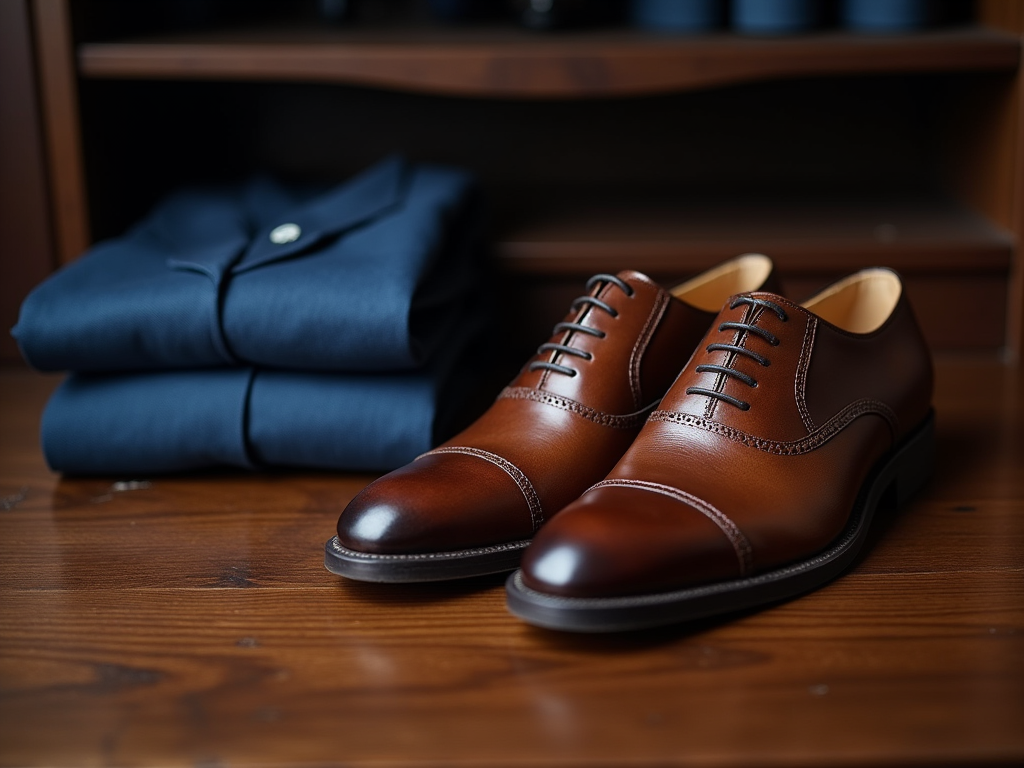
(189, 621)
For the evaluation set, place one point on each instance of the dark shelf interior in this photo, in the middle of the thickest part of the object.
(599, 149)
(863, 138)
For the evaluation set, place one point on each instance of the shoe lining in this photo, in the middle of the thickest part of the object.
(860, 303)
(709, 290)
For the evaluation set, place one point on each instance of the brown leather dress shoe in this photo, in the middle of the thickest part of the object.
(471, 506)
(757, 477)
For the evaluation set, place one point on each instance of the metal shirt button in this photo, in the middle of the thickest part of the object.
(286, 233)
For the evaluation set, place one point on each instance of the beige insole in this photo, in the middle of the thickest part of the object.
(860, 303)
(709, 290)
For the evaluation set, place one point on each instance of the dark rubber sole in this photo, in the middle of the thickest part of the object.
(905, 470)
(431, 566)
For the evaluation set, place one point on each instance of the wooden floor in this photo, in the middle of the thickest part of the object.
(190, 621)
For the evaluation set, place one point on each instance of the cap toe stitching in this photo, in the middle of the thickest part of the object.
(517, 475)
(739, 542)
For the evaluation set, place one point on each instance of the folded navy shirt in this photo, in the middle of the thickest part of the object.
(170, 421)
(369, 276)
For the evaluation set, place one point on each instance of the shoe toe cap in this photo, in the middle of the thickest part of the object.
(622, 541)
(439, 503)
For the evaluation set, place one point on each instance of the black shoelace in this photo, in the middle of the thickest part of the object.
(736, 349)
(565, 349)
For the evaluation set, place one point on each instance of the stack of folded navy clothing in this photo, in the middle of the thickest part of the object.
(264, 326)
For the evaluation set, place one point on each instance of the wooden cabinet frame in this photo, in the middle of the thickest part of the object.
(984, 163)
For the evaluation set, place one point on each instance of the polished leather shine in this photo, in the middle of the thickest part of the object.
(549, 435)
(710, 491)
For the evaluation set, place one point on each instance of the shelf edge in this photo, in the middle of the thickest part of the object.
(580, 69)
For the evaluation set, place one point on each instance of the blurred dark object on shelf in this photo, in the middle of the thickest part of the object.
(118, 18)
(335, 11)
(465, 10)
(567, 14)
(888, 15)
(676, 15)
(112, 19)
(775, 17)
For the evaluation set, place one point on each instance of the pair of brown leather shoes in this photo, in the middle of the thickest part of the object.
(697, 464)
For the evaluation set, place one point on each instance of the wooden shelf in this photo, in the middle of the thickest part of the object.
(573, 235)
(546, 250)
(510, 63)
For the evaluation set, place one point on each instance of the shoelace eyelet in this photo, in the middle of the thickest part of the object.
(736, 349)
(591, 301)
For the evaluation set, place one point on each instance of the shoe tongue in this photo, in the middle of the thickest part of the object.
(787, 306)
(765, 296)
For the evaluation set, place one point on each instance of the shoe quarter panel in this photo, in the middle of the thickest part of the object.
(673, 341)
(889, 369)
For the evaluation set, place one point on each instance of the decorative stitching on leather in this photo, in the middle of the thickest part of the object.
(640, 347)
(802, 366)
(740, 544)
(625, 421)
(815, 440)
(532, 499)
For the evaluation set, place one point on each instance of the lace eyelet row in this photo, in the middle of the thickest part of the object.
(737, 349)
(589, 301)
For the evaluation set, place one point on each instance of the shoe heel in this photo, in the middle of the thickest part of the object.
(913, 464)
